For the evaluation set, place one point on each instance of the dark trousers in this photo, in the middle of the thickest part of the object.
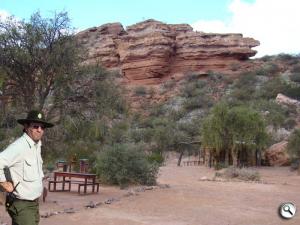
(24, 212)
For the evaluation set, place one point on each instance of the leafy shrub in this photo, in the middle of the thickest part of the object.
(169, 84)
(119, 132)
(124, 164)
(158, 110)
(244, 87)
(191, 77)
(176, 115)
(243, 94)
(141, 134)
(271, 88)
(296, 69)
(219, 166)
(292, 92)
(156, 157)
(293, 144)
(246, 80)
(268, 70)
(213, 76)
(151, 91)
(295, 163)
(197, 102)
(274, 113)
(295, 77)
(267, 58)
(289, 123)
(194, 88)
(140, 91)
(50, 167)
(285, 57)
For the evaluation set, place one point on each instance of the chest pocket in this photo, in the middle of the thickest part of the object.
(30, 170)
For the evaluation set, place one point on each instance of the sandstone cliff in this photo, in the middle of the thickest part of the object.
(150, 52)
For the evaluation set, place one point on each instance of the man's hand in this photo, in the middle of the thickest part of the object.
(7, 186)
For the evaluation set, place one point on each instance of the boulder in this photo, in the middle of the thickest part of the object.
(282, 99)
(277, 155)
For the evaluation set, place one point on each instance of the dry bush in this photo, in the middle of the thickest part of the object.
(240, 174)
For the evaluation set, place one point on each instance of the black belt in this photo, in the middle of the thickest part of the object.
(25, 200)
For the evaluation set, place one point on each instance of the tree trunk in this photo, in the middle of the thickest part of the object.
(234, 157)
(210, 160)
(258, 157)
(180, 157)
(226, 158)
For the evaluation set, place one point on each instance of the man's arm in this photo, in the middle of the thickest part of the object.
(7, 158)
(7, 186)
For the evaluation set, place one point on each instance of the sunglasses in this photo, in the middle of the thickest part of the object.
(35, 126)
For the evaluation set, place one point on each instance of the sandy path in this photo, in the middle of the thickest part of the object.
(188, 201)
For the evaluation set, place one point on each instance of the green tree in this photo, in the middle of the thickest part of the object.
(246, 131)
(233, 130)
(90, 112)
(215, 133)
(37, 57)
(91, 94)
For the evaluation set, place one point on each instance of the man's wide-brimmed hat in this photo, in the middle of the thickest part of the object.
(37, 117)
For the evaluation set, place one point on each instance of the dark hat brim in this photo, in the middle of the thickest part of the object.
(26, 121)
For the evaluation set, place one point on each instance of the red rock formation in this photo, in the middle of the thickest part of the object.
(200, 51)
(146, 52)
(277, 154)
(152, 51)
(100, 45)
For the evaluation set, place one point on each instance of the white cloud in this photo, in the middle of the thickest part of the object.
(275, 23)
(3, 15)
(212, 26)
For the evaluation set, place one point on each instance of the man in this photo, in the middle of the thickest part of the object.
(23, 159)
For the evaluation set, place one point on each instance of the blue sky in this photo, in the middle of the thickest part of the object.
(275, 23)
(88, 13)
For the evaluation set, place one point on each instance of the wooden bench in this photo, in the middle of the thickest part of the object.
(96, 184)
(192, 162)
(54, 182)
(69, 182)
(83, 184)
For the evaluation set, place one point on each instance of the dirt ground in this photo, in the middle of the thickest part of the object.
(184, 197)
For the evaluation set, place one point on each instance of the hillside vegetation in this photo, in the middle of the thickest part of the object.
(225, 120)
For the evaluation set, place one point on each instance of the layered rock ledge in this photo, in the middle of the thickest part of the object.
(152, 51)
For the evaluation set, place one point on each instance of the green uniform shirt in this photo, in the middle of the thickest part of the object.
(23, 158)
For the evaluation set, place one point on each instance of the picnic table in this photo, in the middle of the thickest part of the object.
(65, 179)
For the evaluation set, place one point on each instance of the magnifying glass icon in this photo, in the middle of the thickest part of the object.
(287, 210)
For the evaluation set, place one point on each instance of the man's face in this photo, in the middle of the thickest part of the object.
(35, 131)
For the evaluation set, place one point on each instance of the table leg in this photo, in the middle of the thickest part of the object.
(93, 186)
(63, 183)
(54, 184)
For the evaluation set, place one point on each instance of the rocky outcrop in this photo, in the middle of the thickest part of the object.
(100, 45)
(146, 51)
(277, 155)
(152, 51)
(282, 99)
